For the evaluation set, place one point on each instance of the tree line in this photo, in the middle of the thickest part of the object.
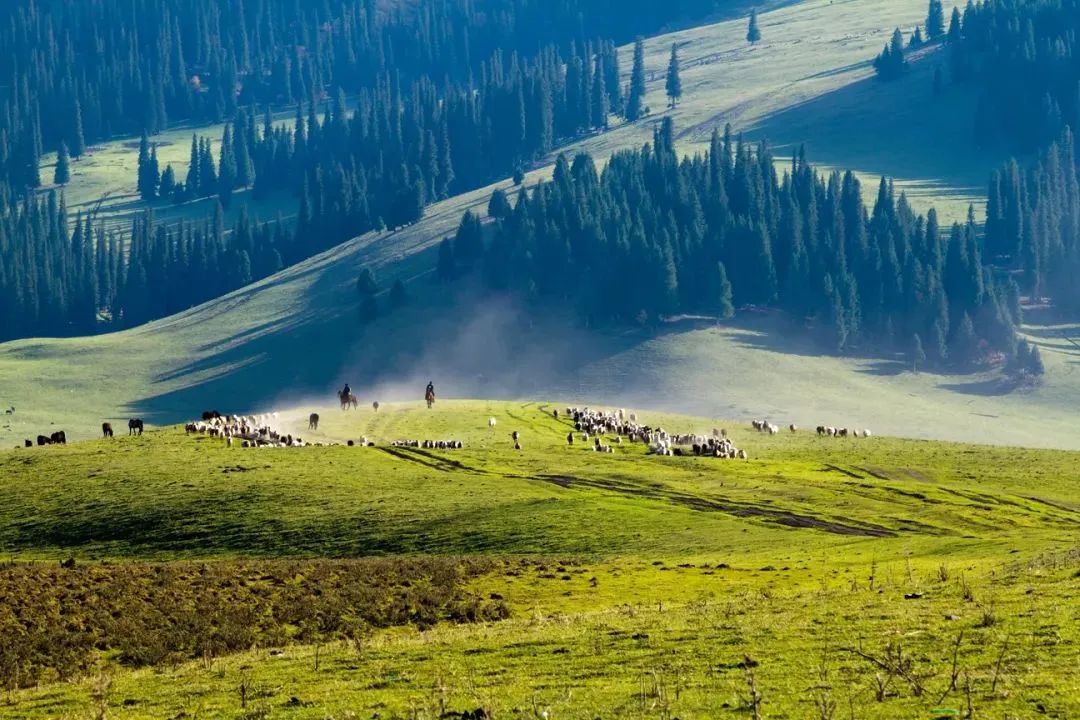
(75, 279)
(444, 97)
(654, 235)
(84, 72)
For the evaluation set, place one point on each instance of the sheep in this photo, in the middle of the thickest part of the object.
(517, 446)
(491, 423)
(514, 435)
(555, 413)
(228, 441)
(569, 438)
(793, 428)
(866, 433)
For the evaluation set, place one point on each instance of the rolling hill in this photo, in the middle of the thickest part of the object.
(294, 335)
(625, 580)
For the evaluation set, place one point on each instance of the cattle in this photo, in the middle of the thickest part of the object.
(135, 426)
(106, 430)
(28, 443)
(313, 421)
(43, 440)
(58, 438)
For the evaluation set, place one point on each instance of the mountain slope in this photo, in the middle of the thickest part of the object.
(295, 334)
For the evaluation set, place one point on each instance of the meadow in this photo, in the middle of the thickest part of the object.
(825, 578)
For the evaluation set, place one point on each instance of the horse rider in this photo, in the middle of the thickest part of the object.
(346, 393)
(429, 393)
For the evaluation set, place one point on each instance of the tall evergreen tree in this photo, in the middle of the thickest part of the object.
(753, 32)
(674, 81)
(635, 96)
(62, 176)
(935, 20)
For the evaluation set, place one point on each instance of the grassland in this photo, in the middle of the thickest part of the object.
(638, 586)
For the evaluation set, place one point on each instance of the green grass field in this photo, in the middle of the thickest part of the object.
(649, 579)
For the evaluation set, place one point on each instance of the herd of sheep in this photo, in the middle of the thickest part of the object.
(598, 429)
(250, 431)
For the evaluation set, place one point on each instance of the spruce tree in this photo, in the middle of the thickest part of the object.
(167, 184)
(78, 139)
(499, 206)
(674, 82)
(753, 33)
(935, 20)
(724, 306)
(955, 27)
(635, 97)
(62, 176)
(366, 283)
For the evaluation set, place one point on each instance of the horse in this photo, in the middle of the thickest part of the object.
(106, 429)
(135, 426)
(348, 400)
(313, 421)
(429, 397)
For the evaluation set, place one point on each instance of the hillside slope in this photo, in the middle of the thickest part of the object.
(625, 579)
(294, 335)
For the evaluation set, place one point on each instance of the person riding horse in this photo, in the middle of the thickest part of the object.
(347, 398)
(429, 394)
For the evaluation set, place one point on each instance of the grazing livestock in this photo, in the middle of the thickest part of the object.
(428, 444)
(209, 415)
(375, 406)
(514, 435)
(135, 426)
(106, 430)
(491, 423)
(58, 438)
(42, 440)
(313, 421)
(793, 428)
(828, 431)
(619, 424)
(28, 443)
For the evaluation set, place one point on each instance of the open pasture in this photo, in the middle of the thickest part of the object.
(819, 570)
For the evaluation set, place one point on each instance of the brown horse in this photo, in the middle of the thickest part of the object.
(313, 421)
(348, 400)
(429, 397)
